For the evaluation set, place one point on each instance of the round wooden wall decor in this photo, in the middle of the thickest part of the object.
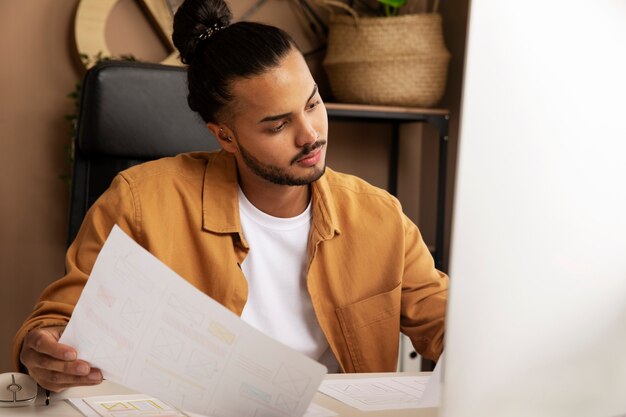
(91, 18)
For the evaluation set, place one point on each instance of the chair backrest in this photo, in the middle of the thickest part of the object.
(129, 113)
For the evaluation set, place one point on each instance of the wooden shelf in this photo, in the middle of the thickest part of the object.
(404, 114)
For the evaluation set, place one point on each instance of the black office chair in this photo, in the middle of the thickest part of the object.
(129, 113)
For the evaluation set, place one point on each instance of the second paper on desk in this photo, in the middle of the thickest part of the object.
(147, 328)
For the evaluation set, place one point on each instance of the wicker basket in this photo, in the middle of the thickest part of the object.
(400, 61)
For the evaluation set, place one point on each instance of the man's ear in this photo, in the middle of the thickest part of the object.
(224, 136)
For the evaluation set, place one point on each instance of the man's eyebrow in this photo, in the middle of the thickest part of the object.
(312, 93)
(282, 116)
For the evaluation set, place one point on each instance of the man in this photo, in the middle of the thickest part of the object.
(321, 261)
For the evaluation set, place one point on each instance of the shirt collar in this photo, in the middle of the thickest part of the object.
(220, 207)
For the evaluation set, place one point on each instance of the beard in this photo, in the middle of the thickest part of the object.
(281, 176)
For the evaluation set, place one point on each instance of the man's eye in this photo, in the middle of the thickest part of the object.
(313, 105)
(279, 127)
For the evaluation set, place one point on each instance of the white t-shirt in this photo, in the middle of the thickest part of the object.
(279, 303)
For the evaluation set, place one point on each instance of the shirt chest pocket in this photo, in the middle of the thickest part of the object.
(371, 329)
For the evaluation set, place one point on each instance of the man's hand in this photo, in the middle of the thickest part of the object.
(54, 365)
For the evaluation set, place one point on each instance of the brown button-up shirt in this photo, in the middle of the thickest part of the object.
(369, 273)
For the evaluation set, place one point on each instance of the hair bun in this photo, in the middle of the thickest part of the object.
(194, 20)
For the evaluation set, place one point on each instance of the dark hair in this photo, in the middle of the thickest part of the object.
(238, 50)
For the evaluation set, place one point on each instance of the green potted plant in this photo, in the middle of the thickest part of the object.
(379, 55)
(392, 7)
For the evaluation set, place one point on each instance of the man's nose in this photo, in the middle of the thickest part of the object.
(307, 134)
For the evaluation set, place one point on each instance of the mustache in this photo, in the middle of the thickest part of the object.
(308, 149)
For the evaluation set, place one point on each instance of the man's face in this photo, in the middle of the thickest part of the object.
(280, 125)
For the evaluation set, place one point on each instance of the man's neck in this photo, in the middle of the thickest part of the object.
(276, 200)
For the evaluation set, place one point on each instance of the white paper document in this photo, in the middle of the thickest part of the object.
(381, 393)
(388, 392)
(139, 405)
(147, 328)
(132, 405)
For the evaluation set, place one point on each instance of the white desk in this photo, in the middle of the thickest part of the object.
(60, 408)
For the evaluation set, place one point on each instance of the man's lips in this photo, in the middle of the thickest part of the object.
(311, 158)
(312, 152)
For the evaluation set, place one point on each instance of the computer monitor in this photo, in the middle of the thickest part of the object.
(537, 313)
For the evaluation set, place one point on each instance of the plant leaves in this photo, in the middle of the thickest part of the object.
(393, 3)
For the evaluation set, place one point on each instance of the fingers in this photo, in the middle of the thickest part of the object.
(57, 381)
(54, 365)
(45, 341)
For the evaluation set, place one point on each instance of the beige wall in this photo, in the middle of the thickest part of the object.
(38, 71)
(40, 67)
